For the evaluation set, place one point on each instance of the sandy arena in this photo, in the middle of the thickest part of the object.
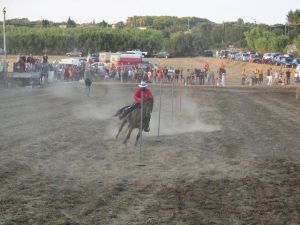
(227, 156)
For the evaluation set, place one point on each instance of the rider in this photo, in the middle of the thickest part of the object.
(137, 95)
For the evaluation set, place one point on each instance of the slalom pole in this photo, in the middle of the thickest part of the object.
(141, 129)
(180, 100)
(172, 101)
(159, 111)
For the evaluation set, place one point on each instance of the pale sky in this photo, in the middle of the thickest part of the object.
(261, 11)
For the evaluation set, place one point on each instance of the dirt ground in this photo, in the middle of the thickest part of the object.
(227, 156)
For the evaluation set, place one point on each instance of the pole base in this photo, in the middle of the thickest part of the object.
(140, 164)
(158, 139)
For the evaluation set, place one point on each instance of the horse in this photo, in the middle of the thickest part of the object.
(134, 119)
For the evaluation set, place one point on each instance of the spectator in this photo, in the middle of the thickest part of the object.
(270, 77)
(288, 76)
(243, 80)
(88, 80)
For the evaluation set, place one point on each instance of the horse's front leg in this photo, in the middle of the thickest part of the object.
(121, 127)
(138, 136)
(128, 135)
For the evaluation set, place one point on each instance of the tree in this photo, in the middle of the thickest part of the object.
(261, 40)
(293, 17)
(71, 23)
(45, 23)
(297, 43)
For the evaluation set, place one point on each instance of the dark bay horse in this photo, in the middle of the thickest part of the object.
(134, 120)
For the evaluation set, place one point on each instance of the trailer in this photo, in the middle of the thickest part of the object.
(125, 58)
(23, 79)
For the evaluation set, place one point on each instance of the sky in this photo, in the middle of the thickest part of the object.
(112, 11)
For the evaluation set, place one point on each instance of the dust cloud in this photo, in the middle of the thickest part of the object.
(188, 118)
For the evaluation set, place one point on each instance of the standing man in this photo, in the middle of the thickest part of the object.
(88, 80)
(288, 76)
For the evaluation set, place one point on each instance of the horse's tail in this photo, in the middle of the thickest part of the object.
(120, 111)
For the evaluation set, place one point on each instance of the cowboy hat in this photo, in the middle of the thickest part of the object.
(143, 84)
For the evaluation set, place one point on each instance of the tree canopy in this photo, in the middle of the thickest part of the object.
(186, 36)
(293, 17)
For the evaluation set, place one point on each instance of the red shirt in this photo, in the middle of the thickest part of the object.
(137, 95)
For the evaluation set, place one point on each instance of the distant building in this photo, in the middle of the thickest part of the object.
(62, 26)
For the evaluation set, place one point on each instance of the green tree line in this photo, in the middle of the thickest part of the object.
(56, 40)
(187, 36)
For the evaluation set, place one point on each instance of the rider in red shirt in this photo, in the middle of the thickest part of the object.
(147, 93)
(147, 96)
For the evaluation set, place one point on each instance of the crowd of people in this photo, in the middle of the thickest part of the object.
(156, 74)
(274, 77)
(29, 63)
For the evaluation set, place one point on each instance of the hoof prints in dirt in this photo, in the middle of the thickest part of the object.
(248, 200)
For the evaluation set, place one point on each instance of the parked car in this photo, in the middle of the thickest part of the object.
(232, 55)
(75, 53)
(267, 56)
(255, 59)
(223, 54)
(286, 62)
(245, 57)
(98, 65)
(146, 65)
(296, 62)
(277, 60)
(138, 51)
(238, 56)
(273, 57)
(162, 54)
(208, 53)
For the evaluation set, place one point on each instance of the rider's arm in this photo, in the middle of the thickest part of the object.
(137, 95)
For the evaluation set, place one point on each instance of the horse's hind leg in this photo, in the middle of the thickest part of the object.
(121, 127)
(128, 135)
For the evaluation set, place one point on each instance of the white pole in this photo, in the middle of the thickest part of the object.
(4, 37)
(141, 129)
(4, 43)
(159, 111)
(172, 100)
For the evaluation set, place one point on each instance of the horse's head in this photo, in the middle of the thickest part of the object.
(148, 106)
